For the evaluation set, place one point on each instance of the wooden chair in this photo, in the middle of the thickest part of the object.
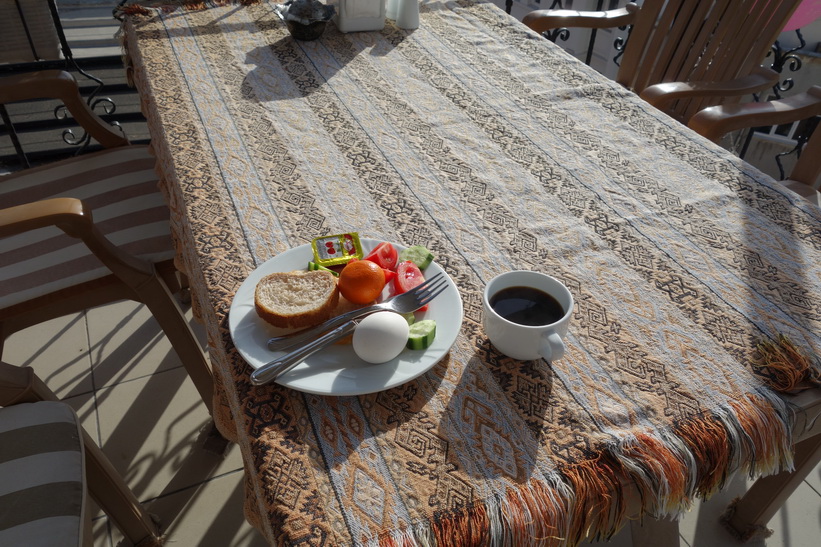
(715, 122)
(55, 258)
(32, 38)
(47, 463)
(747, 517)
(685, 55)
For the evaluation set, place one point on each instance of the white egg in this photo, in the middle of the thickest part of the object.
(380, 337)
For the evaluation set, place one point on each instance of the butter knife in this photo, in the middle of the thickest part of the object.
(271, 371)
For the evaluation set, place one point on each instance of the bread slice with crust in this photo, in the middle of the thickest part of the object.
(297, 299)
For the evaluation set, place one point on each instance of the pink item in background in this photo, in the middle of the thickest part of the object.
(806, 13)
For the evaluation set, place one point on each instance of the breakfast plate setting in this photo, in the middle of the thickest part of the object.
(337, 369)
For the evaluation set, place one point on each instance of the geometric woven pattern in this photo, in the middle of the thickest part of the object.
(498, 151)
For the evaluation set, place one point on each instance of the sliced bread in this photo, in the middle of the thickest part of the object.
(296, 299)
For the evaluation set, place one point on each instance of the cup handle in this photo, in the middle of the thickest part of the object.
(552, 347)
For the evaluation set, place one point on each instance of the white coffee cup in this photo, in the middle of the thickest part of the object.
(522, 341)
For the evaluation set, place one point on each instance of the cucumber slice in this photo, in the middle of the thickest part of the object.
(417, 254)
(314, 266)
(409, 317)
(421, 334)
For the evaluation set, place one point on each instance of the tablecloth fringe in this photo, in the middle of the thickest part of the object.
(588, 500)
(785, 367)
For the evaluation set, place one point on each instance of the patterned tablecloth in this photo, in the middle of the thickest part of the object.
(495, 149)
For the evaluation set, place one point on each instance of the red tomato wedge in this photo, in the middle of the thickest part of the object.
(385, 255)
(408, 275)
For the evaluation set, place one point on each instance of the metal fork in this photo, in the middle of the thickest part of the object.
(406, 302)
(271, 371)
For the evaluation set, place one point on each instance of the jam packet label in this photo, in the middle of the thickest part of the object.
(336, 249)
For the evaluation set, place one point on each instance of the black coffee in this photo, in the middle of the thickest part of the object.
(527, 306)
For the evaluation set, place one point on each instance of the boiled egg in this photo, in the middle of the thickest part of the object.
(380, 337)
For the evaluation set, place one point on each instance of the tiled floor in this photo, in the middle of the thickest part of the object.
(114, 366)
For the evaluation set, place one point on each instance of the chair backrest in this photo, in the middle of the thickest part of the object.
(29, 31)
(700, 40)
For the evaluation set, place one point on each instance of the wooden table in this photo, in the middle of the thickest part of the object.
(495, 149)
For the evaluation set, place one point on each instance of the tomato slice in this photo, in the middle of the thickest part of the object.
(385, 255)
(408, 275)
(389, 275)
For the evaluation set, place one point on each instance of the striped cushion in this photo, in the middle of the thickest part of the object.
(119, 185)
(42, 482)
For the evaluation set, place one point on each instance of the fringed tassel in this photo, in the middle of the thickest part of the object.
(587, 500)
(597, 509)
(766, 434)
(707, 440)
(533, 516)
(785, 367)
(419, 536)
(536, 516)
(660, 469)
(468, 527)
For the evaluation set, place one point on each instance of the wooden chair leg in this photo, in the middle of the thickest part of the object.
(114, 497)
(2, 339)
(747, 517)
(158, 298)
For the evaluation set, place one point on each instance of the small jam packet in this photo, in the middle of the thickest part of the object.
(336, 249)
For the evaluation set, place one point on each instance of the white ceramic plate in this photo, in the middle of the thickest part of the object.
(337, 370)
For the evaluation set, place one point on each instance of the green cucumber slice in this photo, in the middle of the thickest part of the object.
(314, 266)
(409, 317)
(421, 334)
(417, 254)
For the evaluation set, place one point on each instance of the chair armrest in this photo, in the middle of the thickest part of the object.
(68, 214)
(71, 216)
(61, 85)
(661, 95)
(542, 20)
(21, 385)
(716, 121)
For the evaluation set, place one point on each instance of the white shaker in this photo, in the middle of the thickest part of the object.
(408, 15)
(360, 15)
(392, 9)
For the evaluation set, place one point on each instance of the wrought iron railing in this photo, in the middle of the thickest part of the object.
(69, 62)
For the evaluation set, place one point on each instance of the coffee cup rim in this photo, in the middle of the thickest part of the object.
(486, 298)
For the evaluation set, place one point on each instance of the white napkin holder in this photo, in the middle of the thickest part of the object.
(360, 15)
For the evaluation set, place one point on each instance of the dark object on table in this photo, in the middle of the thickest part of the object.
(305, 19)
(311, 31)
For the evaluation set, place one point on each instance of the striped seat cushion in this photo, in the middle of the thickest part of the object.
(120, 187)
(42, 475)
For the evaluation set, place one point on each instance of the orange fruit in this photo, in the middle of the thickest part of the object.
(361, 281)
